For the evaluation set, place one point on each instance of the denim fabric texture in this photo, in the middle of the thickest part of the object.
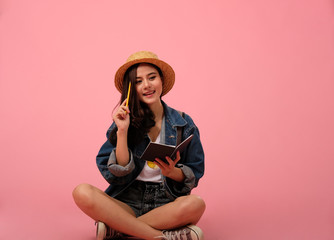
(191, 163)
(143, 197)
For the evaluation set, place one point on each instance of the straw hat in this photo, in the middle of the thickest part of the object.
(147, 57)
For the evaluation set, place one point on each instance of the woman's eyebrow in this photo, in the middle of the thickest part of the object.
(147, 75)
(151, 73)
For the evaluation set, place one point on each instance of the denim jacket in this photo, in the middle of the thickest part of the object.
(191, 163)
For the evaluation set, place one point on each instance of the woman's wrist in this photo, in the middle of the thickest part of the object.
(121, 132)
(176, 174)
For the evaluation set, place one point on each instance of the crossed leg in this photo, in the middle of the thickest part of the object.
(119, 216)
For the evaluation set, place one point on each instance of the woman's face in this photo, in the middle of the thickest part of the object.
(148, 84)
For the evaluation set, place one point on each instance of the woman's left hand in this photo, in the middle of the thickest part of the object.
(168, 169)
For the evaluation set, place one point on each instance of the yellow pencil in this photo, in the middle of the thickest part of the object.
(127, 98)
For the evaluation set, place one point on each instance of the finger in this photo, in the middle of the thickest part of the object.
(170, 161)
(178, 157)
(124, 110)
(162, 165)
(123, 103)
(159, 165)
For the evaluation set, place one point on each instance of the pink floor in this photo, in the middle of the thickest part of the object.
(43, 214)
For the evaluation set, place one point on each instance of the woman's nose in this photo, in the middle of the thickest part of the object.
(146, 83)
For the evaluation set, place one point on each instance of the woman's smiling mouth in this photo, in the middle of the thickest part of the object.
(147, 94)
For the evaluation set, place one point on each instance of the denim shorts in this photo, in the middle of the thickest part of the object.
(143, 197)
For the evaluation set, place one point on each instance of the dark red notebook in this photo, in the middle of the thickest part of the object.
(159, 150)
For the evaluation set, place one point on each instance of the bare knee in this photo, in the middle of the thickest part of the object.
(83, 195)
(195, 203)
(193, 206)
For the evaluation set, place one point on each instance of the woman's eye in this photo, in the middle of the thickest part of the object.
(152, 78)
(138, 81)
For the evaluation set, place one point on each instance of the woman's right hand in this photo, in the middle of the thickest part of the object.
(121, 117)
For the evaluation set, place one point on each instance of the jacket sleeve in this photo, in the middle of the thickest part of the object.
(106, 163)
(191, 163)
(118, 170)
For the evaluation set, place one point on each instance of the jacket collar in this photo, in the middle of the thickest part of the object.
(173, 117)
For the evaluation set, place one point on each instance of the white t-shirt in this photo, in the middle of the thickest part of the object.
(151, 173)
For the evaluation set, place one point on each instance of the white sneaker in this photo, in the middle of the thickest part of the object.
(104, 232)
(190, 232)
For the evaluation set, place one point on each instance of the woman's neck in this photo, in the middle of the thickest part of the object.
(158, 111)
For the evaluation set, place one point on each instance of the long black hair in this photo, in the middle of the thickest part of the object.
(141, 116)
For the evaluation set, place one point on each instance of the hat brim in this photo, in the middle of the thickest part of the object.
(167, 72)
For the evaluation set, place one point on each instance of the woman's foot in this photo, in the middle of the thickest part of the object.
(190, 232)
(104, 232)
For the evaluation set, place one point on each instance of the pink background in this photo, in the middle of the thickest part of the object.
(257, 77)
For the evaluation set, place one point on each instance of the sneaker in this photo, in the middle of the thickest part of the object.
(190, 232)
(104, 232)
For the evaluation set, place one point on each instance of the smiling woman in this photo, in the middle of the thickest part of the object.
(148, 84)
(146, 200)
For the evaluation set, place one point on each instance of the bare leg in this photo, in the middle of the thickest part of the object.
(119, 216)
(184, 210)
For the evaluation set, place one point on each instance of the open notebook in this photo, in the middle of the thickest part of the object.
(159, 150)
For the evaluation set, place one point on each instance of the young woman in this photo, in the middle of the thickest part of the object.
(148, 200)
